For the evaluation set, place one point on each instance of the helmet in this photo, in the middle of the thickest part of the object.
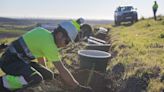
(70, 28)
(80, 21)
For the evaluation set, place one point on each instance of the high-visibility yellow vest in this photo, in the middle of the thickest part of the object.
(76, 25)
(155, 6)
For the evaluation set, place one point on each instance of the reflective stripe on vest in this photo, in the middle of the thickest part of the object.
(20, 49)
(25, 48)
(76, 25)
(13, 82)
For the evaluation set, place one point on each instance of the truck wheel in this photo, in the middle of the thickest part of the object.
(136, 19)
(117, 23)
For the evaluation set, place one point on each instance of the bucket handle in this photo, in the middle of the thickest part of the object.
(90, 74)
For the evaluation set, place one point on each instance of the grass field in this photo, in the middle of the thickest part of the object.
(10, 31)
(140, 48)
(9, 35)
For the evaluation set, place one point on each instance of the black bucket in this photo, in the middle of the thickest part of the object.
(101, 47)
(96, 59)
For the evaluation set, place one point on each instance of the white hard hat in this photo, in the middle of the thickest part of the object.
(70, 28)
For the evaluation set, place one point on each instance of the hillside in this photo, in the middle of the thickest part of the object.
(140, 48)
(137, 63)
(138, 58)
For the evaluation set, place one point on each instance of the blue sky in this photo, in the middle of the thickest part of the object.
(89, 9)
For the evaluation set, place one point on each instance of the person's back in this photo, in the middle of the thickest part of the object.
(155, 6)
(45, 46)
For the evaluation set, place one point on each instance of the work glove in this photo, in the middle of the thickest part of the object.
(81, 88)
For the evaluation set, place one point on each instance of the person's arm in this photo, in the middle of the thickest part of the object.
(66, 75)
(69, 79)
(42, 61)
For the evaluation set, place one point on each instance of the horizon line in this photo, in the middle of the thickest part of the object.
(14, 17)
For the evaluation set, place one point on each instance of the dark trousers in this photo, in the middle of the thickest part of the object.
(154, 12)
(46, 73)
(32, 72)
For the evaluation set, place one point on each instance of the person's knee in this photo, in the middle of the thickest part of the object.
(14, 82)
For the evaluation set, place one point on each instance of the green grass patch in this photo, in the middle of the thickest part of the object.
(8, 35)
(11, 31)
(141, 40)
(138, 46)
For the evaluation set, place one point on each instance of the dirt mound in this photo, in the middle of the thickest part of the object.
(46, 86)
(118, 69)
(99, 83)
(134, 84)
(140, 80)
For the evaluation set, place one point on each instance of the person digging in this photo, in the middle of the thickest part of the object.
(37, 43)
(83, 31)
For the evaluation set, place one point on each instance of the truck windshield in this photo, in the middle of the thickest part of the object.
(128, 8)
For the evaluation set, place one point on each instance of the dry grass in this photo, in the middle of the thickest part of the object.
(140, 46)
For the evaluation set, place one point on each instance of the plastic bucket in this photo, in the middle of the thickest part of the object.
(101, 47)
(96, 59)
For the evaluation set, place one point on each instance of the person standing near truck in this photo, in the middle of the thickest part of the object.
(155, 8)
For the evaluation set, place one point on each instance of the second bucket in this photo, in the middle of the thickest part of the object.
(96, 59)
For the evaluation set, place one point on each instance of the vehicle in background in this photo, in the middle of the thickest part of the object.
(125, 14)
